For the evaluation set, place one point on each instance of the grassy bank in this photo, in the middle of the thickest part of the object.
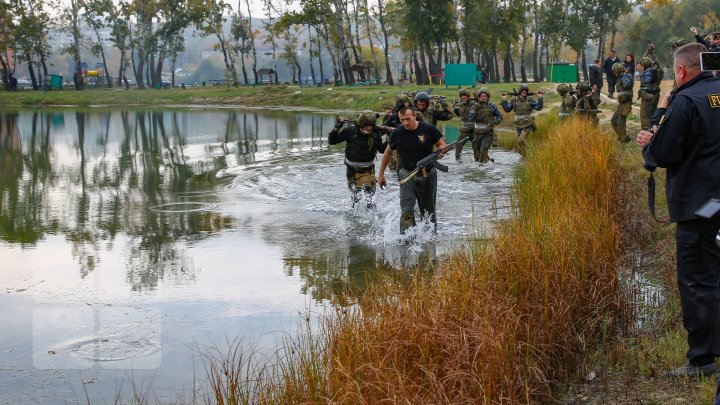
(501, 321)
(326, 97)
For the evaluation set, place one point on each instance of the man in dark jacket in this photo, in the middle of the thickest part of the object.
(687, 143)
(713, 45)
(609, 74)
(596, 81)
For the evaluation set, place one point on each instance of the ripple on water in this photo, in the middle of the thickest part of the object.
(187, 206)
(117, 343)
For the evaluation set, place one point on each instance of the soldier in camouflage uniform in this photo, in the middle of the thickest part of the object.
(649, 92)
(432, 112)
(462, 110)
(658, 76)
(391, 120)
(586, 107)
(567, 102)
(623, 88)
(363, 141)
(485, 115)
(523, 107)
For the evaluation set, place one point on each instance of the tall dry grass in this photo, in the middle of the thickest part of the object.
(500, 321)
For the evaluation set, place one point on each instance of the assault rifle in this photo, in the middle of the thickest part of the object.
(431, 160)
(412, 94)
(515, 93)
(382, 128)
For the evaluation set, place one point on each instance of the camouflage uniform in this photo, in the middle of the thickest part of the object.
(435, 110)
(524, 122)
(623, 88)
(654, 87)
(568, 102)
(484, 115)
(360, 152)
(586, 106)
(462, 110)
(648, 93)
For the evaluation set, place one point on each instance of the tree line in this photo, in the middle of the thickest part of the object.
(356, 36)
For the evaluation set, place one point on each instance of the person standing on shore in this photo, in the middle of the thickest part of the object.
(609, 73)
(687, 143)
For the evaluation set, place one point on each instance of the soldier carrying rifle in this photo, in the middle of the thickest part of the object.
(523, 107)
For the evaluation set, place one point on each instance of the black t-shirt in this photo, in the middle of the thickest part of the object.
(412, 146)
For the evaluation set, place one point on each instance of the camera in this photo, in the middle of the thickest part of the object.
(709, 61)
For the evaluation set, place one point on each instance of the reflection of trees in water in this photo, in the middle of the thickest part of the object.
(24, 176)
(107, 192)
(159, 163)
(340, 277)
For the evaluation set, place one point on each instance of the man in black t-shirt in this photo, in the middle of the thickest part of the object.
(413, 141)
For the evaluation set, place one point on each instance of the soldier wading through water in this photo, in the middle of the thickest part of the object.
(363, 141)
(413, 141)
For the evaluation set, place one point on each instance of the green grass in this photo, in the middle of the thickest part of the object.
(326, 97)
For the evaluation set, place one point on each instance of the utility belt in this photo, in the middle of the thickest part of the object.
(467, 125)
(650, 90)
(482, 127)
(523, 117)
(359, 166)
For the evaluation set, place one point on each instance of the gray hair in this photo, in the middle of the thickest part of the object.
(689, 55)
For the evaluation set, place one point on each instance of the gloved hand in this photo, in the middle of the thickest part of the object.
(338, 124)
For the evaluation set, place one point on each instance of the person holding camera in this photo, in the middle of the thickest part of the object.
(363, 141)
(687, 143)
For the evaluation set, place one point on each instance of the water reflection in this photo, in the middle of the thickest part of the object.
(211, 223)
(91, 175)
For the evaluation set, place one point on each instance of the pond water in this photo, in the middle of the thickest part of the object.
(131, 238)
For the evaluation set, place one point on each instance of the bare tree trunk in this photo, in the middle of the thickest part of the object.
(536, 49)
(310, 53)
(523, 73)
(370, 41)
(78, 77)
(252, 42)
(506, 63)
(584, 65)
(388, 72)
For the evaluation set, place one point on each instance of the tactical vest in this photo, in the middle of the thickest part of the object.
(586, 107)
(523, 108)
(463, 112)
(624, 87)
(568, 105)
(484, 117)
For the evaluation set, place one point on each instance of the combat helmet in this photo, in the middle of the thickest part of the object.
(646, 62)
(464, 92)
(422, 96)
(484, 90)
(366, 117)
(618, 68)
(525, 87)
(562, 89)
(403, 101)
(583, 87)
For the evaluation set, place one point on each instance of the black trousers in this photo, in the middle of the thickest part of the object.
(698, 273)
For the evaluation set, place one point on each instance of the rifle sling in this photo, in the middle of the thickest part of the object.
(651, 199)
